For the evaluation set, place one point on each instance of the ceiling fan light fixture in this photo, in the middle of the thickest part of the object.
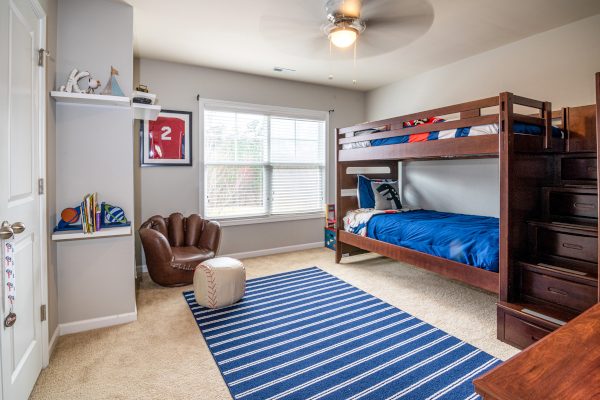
(343, 36)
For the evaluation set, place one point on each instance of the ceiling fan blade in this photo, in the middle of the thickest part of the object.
(348, 8)
(384, 37)
(414, 25)
(393, 24)
(300, 37)
(303, 10)
(392, 9)
(287, 24)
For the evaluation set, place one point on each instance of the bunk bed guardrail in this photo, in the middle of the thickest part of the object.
(471, 114)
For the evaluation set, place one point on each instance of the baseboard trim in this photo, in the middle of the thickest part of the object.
(96, 323)
(53, 341)
(275, 250)
(260, 253)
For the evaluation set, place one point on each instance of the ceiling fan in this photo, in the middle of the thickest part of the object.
(380, 26)
(345, 23)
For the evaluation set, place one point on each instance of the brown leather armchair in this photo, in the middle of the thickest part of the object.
(174, 246)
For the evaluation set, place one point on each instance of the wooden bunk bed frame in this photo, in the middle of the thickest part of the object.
(524, 160)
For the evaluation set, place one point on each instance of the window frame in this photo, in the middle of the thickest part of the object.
(270, 111)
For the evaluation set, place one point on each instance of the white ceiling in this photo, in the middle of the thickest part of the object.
(237, 35)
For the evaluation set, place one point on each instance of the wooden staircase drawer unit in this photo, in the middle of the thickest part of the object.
(578, 169)
(571, 204)
(521, 333)
(558, 291)
(556, 243)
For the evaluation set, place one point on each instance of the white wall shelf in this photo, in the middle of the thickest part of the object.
(92, 99)
(105, 232)
(147, 112)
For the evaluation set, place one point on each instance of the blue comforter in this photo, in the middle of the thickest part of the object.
(468, 239)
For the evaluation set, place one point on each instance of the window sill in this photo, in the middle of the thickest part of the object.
(267, 220)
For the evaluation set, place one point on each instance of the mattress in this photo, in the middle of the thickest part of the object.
(491, 129)
(468, 239)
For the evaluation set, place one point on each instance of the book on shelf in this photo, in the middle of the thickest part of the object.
(330, 216)
(90, 213)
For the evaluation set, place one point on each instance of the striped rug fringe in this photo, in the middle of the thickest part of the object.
(306, 334)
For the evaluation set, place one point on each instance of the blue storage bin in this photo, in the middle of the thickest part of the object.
(330, 238)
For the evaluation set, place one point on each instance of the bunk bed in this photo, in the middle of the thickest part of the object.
(503, 127)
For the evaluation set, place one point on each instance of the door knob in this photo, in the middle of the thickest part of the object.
(8, 231)
(18, 227)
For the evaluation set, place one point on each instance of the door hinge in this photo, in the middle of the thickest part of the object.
(41, 186)
(43, 312)
(42, 53)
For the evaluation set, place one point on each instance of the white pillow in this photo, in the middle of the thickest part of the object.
(387, 195)
(358, 145)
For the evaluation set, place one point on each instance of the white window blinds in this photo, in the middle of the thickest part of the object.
(260, 164)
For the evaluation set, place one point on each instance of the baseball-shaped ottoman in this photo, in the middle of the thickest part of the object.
(219, 282)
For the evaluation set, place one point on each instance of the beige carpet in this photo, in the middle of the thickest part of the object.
(163, 356)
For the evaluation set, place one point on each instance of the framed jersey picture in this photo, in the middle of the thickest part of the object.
(167, 140)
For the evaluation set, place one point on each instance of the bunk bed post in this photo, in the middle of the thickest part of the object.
(339, 223)
(598, 152)
(547, 115)
(564, 125)
(506, 153)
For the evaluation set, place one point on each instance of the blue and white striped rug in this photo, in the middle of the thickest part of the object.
(306, 334)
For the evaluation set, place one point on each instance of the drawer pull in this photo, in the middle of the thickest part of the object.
(573, 246)
(585, 206)
(557, 291)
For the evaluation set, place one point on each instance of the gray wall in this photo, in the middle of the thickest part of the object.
(94, 153)
(162, 190)
(557, 66)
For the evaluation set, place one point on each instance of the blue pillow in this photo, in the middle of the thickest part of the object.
(366, 197)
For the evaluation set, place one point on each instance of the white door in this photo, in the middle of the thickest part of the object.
(20, 128)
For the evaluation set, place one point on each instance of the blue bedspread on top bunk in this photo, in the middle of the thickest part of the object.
(518, 127)
(468, 239)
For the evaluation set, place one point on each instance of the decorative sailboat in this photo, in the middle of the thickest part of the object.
(112, 87)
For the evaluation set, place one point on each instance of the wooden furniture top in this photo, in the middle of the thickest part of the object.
(563, 365)
(473, 113)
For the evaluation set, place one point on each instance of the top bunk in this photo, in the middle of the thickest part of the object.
(475, 129)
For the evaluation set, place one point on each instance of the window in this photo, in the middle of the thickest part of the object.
(260, 163)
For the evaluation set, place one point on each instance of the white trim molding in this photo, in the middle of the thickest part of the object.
(267, 220)
(96, 323)
(274, 250)
(53, 341)
(260, 253)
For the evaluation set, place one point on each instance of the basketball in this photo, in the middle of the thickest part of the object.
(70, 215)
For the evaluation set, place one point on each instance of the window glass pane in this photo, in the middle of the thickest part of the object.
(234, 191)
(283, 150)
(283, 128)
(297, 190)
(235, 137)
(309, 130)
(297, 141)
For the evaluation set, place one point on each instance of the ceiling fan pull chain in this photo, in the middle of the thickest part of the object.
(354, 66)
(330, 60)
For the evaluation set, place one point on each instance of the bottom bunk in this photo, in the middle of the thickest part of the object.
(461, 247)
